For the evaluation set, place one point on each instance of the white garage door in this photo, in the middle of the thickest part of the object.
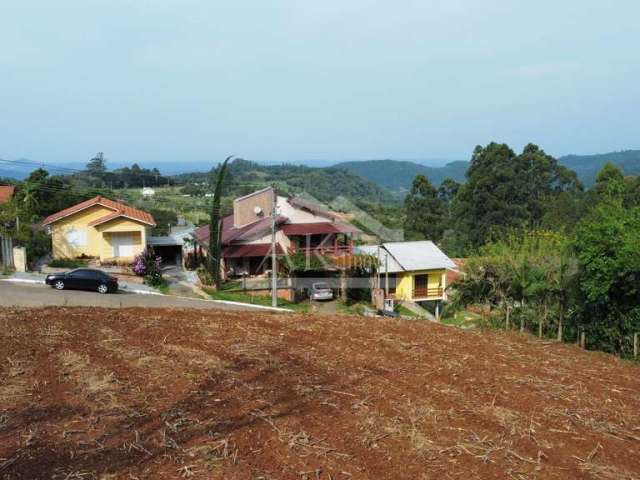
(122, 244)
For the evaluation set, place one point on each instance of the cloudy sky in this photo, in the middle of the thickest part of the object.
(289, 80)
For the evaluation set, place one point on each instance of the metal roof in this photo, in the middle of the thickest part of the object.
(409, 256)
(389, 261)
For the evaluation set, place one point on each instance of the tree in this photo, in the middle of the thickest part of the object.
(97, 167)
(424, 211)
(505, 191)
(608, 278)
(448, 189)
(215, 226)
(609, 181)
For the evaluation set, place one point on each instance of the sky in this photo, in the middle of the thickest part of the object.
(158, 81)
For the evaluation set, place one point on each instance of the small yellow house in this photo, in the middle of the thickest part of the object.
(415, 271)
(99, 228)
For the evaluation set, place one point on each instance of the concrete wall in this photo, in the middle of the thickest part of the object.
(244, 207)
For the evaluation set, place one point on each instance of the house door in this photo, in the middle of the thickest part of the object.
(420, 285)
(122, 244)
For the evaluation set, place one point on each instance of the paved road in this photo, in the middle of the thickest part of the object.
(28, 295)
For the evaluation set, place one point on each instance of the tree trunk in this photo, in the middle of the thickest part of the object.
(507, 326)
(343, 285)
(560, 322)
(543, 320)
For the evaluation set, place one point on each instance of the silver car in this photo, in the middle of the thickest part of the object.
(321, 291)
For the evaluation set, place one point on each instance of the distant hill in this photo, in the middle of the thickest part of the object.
(323, 183)
(397, 175)
(588, 166)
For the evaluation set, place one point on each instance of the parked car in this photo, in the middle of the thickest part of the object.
(321, 291)
(83, 279)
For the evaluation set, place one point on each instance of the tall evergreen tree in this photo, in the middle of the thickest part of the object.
(215, 226)
(424, 211)
(505, 191)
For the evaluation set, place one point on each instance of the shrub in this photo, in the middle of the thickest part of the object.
(67, 263)
(205, 277)
(148, 265)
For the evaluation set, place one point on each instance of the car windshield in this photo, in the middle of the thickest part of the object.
(321, 286)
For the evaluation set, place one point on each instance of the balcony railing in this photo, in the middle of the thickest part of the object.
(326, 250)
(435, 292)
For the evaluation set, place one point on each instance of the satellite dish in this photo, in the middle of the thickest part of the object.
(257, 210)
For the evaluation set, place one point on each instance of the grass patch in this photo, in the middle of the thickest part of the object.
(162, 287)
(462, 318)
(68, 263)
(357, 308)
(405, 312)
(256, 300)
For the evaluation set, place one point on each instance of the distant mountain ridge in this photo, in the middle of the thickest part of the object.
(588, 166)
(397, 175)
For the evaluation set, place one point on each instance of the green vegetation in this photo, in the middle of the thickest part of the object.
(68, 263)
(405, 312)
(162, 287)
(351, 308)
(461, 318)
(588, 166)
(398, 176)
(324, 184)
(264, 300)
(215, 228)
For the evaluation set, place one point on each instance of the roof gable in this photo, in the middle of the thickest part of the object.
(119, 210)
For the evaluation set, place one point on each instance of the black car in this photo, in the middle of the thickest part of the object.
(83, 279)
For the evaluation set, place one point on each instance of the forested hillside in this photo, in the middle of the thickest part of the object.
(324, 184)
(397, 175)
(588, 166)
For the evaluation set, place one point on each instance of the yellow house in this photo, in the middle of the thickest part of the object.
(413, 271)
(99, 228)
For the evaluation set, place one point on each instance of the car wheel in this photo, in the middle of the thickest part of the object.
(102, 288)
(59, 285)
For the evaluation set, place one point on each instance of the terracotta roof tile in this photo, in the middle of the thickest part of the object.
(6, 192)
(119, 210)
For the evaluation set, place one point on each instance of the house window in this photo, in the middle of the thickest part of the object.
(77, 237)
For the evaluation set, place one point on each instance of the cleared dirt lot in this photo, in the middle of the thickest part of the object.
(138, 393)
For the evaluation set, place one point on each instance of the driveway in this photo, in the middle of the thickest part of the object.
(33, 295)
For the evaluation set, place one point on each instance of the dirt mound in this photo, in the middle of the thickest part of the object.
(148, 394)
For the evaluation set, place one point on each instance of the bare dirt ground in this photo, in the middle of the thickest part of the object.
(90, 393)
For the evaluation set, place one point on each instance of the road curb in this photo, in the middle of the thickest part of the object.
(146, 292)
(22, 280)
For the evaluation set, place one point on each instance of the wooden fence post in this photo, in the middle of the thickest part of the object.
(583, 340)
(635, 345)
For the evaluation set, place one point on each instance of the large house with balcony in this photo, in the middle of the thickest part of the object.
(301, 227)
(410, 271)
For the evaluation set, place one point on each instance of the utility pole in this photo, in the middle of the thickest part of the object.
(386, 275)
(274, 264)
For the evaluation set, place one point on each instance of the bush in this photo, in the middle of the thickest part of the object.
(204, 276)
(67, 263)
(148, 265)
